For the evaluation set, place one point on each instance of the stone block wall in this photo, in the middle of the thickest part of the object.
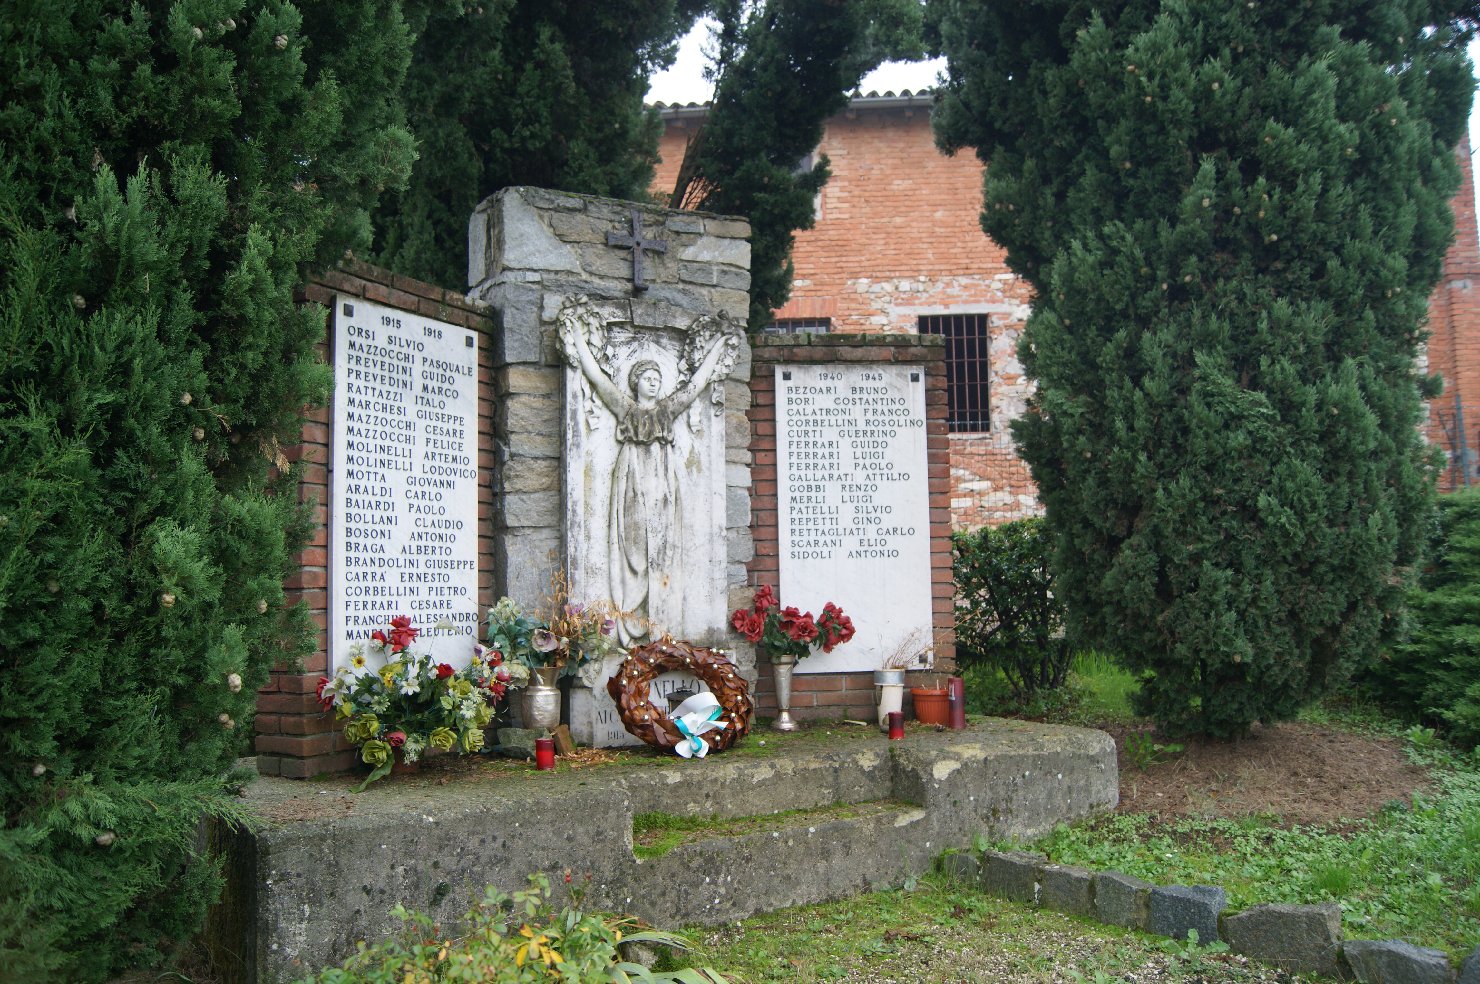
(848, 695)
(530, 250)
(294, 737)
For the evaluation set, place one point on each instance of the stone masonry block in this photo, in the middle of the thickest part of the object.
(1305, 939)
(530, 509)
(1396, 962)
(522, 241)
(962, 866)
(518, 337)
(1122, 900)
(684, 223)
(531, 475)
(1011, 875)
(732, 278)
(713, 249)
(1177, 909)
(730, 228)
(1469, 972)
(1064, 888)
(737, 507)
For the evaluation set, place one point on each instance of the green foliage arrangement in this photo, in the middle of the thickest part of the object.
(780, 69)
(1435, 673)
(168, 172)
(1231, 216)
(517, 939)
(1007, 616)
(524, 92)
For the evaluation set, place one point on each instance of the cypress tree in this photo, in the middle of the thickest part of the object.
(168, 172)
(781, 68)
(539, 92)
(1232, 216)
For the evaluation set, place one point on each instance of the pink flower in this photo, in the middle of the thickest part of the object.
(395, 738)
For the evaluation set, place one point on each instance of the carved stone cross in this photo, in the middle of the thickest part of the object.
(637, 244)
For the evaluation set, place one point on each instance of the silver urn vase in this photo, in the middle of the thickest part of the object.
(781, 666)
(540, 702)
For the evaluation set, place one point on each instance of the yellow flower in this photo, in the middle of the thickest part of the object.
(537, 947)
(443, 738)
(376, 752)
(388, 673)
(357, 661)
(472, 740)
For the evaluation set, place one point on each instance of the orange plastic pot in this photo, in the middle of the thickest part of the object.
(932, 705)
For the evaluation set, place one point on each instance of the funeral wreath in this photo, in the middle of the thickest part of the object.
(393, 700)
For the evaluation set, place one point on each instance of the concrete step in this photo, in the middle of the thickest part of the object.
(328, 866)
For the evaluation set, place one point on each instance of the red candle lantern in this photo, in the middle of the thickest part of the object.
(544, 754)
(896, 725)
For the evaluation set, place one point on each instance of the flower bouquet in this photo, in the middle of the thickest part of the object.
(395, 701)
(788, 631)
(564, 636)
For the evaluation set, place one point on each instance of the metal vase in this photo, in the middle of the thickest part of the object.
(540, 702)
(781, 666)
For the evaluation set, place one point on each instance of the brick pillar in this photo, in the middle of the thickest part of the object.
(847, 695)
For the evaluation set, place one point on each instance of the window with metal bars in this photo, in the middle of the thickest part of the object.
(968, 368)
(792, 326)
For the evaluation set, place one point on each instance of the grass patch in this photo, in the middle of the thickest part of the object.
(1098, 691)
(657, 834)
(1105, 688)
(941, 931)
(1412, 872)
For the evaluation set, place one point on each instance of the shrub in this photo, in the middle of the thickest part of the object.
(1006, 614)
(169, 169)
(1231, 217)
(511, 939)
(1435, 673)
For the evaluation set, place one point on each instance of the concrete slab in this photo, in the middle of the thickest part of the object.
(328, 866)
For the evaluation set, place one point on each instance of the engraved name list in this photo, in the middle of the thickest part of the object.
(403, 515)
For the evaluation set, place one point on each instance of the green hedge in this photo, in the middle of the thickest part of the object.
(1435, 674)
(1006, 614)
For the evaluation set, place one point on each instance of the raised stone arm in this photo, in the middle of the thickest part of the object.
(720, 340)
(576, 319)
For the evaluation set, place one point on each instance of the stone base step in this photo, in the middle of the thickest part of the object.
(329, 865)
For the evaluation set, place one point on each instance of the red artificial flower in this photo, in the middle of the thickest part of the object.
(496, 692)
(444, 670)
(797, 626)
(765, 599)
(324, 702)
(501, 674)
(395, 738)
(749, 624)
(497, 659)
(379, 637)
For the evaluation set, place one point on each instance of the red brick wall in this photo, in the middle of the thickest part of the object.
(1454, 345)
(846, 695)
(897, 236)
(294, 737)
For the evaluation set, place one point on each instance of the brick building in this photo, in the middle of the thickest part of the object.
(897, 248)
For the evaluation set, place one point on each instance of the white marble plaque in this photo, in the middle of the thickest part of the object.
(403, 506)
(853, 502)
